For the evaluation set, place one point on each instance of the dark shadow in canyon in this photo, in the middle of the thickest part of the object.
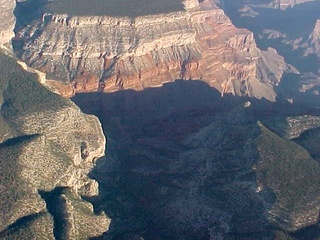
(294, 23)
(304, 102)
(56, 206)
(27, 12)
(146, 132)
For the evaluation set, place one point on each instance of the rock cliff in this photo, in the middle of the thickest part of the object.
(47, 147)
(7, 22)
(312, 45)
(105, 53)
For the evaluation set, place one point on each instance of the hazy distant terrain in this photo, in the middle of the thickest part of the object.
(285, 30)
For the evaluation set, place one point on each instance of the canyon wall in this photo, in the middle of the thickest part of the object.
(102, 53)
(47, 148)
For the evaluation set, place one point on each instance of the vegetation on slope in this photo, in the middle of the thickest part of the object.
(290, 171)
(132, 8)
(18, 88)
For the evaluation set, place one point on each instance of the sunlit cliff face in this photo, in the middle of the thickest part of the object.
(104, 53)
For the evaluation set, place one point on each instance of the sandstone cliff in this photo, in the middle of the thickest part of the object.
(104, 53)
(46, 144)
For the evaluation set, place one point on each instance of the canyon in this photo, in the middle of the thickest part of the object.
(209, 137)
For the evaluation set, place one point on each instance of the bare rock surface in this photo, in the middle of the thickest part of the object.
(312, 45)
(7, 22)
(107, 53)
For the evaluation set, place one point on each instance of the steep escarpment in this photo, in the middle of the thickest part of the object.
(46, 143)
(104, 53)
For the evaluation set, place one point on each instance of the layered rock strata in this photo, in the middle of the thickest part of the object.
(103, 53)
(46, 143)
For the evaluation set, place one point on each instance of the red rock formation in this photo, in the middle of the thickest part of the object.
(110, 54)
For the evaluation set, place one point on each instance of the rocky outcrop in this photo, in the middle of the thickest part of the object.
(310, 82)
(46, 144)
(7, 22)
(312, 45)
(103, 53)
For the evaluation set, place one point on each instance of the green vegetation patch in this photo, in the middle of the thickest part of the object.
(289, 170)
(132, 8)
(13, 187)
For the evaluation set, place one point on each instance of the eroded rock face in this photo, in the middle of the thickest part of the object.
(46, 143)
(108, 53)
(7, 22)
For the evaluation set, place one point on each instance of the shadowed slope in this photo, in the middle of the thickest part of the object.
(180, 163)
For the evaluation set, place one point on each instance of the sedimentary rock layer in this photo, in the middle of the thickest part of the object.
(102, 53)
